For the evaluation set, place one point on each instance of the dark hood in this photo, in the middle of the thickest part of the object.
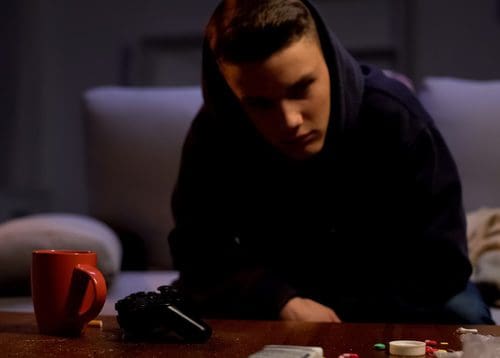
(346, 88)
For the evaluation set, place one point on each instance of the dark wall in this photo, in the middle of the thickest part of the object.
(8, 21)
(458, 38)
(57, 49)
(52, 51)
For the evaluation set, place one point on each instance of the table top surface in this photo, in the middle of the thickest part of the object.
(19, 337)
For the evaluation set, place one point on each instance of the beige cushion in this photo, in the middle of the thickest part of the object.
(19, 237)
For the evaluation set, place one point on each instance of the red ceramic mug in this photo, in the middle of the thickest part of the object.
(68, 290)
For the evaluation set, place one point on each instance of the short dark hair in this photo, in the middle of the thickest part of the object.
(252, 30)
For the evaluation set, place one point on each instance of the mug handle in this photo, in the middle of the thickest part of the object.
(98, 282)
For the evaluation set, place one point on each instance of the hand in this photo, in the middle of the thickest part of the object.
(304, 309)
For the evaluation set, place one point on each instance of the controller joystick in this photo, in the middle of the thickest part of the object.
(155, 315)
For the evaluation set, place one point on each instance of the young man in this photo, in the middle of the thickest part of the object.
(312, 188)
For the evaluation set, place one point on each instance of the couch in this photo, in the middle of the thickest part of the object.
(134, 138)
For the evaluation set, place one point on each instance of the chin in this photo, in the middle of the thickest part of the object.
(303, 153)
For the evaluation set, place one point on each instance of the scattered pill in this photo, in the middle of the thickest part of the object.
(463, 330)
(349, 355)
(379, 346)
(443, 343)
(430, 350)
(96, 323)
(430, 342)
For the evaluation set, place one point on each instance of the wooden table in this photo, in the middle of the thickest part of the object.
(19, 338)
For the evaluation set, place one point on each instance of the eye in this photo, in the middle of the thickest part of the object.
(257, 103)
(301, 89)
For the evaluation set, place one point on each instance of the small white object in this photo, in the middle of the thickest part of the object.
(407, 348)
(288, 351)
(463, 330)
(457, 354)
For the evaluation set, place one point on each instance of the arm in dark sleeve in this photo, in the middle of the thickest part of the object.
(217, 273)
(438, 264)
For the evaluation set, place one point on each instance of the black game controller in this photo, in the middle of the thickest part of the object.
(154, 316)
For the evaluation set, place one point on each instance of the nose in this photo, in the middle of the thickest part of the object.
(291, 115)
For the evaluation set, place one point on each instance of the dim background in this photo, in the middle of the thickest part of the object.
(51, 51)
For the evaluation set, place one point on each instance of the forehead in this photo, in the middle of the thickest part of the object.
(282, 69)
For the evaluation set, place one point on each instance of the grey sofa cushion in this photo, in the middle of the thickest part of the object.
(19, 237)
(468, 114)
(134, 142)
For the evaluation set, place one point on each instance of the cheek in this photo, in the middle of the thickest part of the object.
(322, 104)
(264, 123)
(318, 108)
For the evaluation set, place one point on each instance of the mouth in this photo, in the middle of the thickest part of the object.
(302, 139)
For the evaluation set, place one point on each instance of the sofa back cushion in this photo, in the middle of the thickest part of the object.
(134, 141)
(468, 115)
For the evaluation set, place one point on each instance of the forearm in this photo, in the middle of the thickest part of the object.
(223, 281)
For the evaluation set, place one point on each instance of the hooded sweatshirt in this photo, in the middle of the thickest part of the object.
(374, 220)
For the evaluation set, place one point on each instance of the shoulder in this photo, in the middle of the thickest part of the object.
(391, 108)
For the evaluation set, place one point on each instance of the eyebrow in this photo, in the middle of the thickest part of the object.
(300, 84)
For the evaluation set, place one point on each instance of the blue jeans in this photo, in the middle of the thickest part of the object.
(468, 307)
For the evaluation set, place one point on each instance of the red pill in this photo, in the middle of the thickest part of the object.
(430, 350)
